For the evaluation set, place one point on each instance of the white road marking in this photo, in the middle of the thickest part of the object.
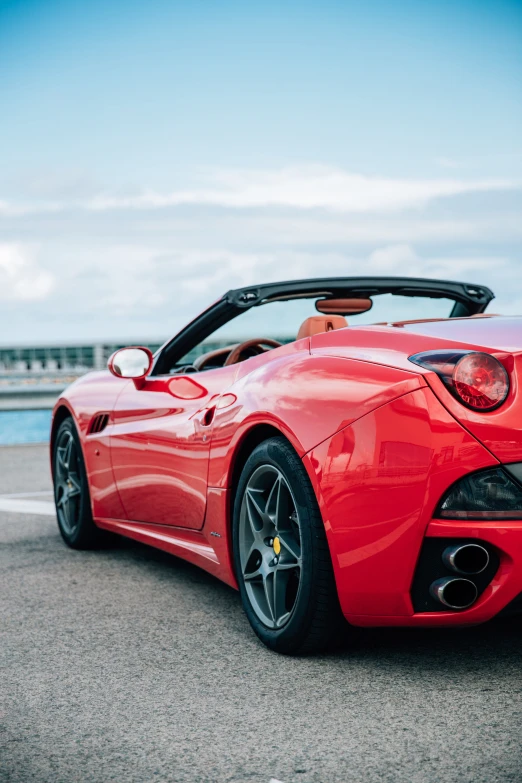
(46, 492)
(20, 506)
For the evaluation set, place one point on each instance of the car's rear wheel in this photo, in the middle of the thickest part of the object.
(71, 491)
(281, 554)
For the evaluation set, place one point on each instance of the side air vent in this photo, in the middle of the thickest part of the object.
(98, 423)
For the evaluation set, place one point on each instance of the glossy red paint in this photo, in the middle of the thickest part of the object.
(499, 430)
(305, 397)
(160, 446)
(91, 395)
(208, 549)
(378, 482)
(381, 439)
(500, 333)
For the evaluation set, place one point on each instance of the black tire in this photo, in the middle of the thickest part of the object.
(315, 616)
(75, 522)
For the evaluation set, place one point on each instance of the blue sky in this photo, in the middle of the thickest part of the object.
(156, 154)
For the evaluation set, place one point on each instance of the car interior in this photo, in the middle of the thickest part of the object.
(332, 315)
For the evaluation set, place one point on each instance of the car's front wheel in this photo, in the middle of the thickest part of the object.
(281, 554)
(71, 491)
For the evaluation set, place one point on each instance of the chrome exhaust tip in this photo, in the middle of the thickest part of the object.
(466, 558)
(454, 593)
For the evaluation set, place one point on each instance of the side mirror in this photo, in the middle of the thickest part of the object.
(134, 363)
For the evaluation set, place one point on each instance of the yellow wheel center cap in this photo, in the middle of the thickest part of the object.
(277, 545)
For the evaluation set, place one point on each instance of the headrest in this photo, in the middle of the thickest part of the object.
(317, 324)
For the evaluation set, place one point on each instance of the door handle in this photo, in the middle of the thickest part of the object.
(208, 416)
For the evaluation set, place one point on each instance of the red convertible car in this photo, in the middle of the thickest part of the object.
(371, 471)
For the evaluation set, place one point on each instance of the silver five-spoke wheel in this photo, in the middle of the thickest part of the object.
(71, 490)
(270, 546)
(67, 484)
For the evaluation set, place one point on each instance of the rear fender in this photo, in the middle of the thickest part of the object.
(306, 398)
(378, 482)
(500, 430)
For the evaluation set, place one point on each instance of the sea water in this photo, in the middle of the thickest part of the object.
(24, 427)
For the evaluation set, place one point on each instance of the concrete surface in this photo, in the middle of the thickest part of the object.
(130, 665)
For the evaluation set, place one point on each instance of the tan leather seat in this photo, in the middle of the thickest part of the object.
(317, 324)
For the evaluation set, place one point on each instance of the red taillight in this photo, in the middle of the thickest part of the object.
(478, 380)
(481, 381)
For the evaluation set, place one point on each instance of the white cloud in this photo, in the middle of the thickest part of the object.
(138, 290)
(180, 281)
(13, 209)
(20, 277)
(119, 264)
(403, 259)
(305, 187)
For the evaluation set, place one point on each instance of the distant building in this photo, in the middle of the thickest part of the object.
(57, 360)
(68, 359)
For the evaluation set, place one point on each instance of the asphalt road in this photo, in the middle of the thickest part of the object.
(130, 665)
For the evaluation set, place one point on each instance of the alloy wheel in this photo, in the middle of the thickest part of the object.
(270, 546)
(67, 484)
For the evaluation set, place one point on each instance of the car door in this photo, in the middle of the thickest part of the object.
(160, 446)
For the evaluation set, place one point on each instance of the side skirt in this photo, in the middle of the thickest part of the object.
(208, 549)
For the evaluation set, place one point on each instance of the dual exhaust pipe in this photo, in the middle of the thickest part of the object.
(465, 560)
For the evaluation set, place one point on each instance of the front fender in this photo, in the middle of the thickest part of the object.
(92, 394)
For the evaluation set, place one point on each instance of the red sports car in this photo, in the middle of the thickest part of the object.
(371, 471)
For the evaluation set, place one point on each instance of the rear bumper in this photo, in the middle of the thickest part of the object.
(505, 587)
